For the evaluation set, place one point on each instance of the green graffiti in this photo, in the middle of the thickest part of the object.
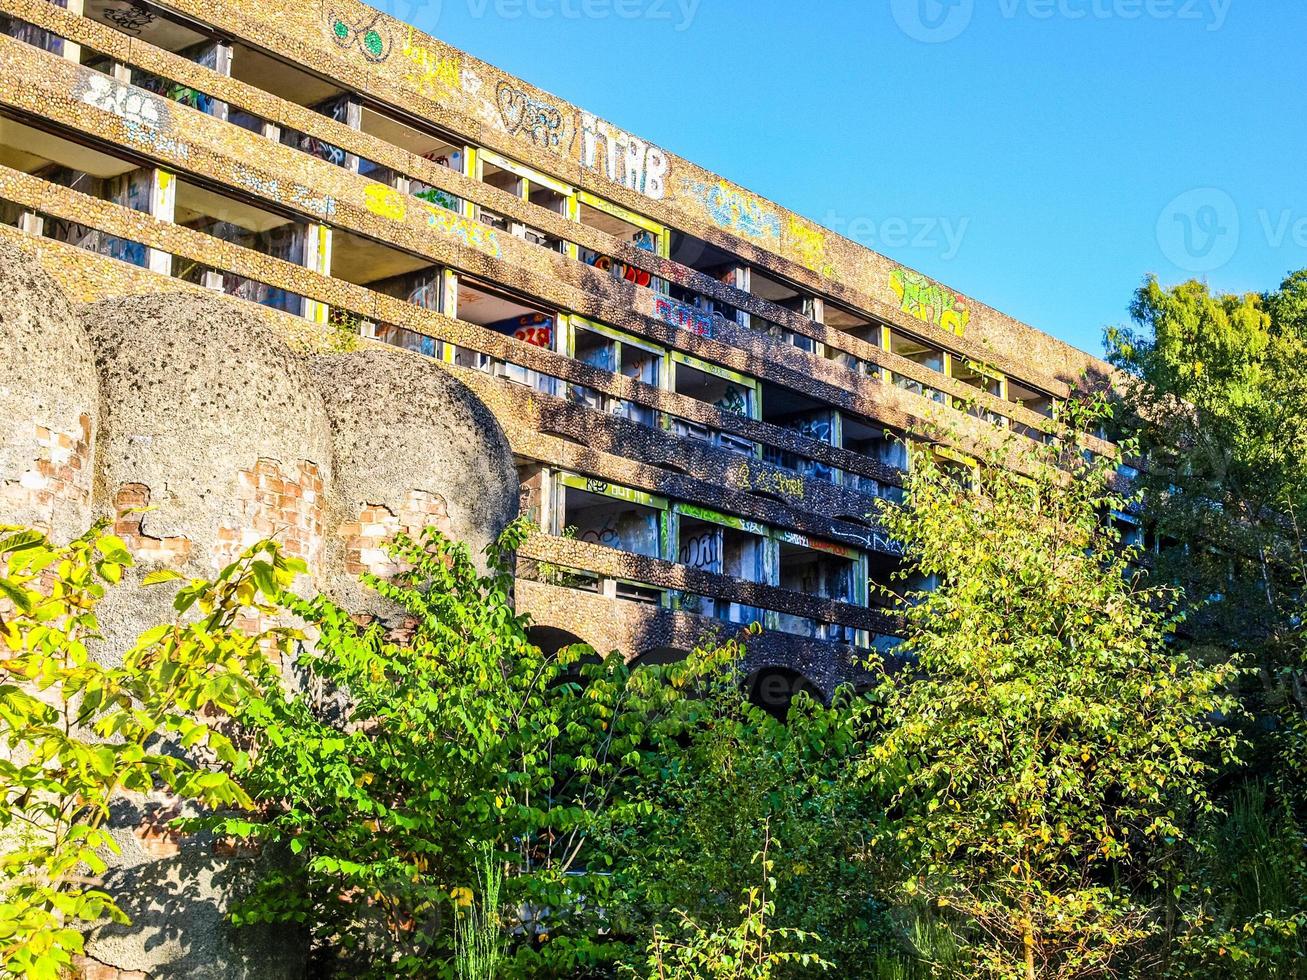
(929, 302)
(369, 33)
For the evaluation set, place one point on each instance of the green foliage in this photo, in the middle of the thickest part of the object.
(744, 951)
(1250, 922)
(721, 780)
(1047, 748)
(405, 753)
(480, 944)
(1215, 389)
(76, 731)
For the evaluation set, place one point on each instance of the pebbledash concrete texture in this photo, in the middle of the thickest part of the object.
(300, 269)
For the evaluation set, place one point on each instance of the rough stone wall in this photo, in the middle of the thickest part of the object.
(49, 402)
(217, 433)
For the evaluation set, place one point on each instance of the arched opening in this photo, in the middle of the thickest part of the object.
(660, 657)
(551, 639)
(774, 689)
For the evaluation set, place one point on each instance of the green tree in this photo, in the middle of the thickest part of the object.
(746, 950)
(722, 780)
(1215, 389)
(76, 732)
(406, 752)
(1045, 746)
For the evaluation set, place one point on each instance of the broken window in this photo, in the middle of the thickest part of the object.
(625, 226)
(790, 297)
(713, 262)
(855, 325)
(528, 185)
(806, 416)
(611, 350)
(249, 227)
(427, 142)
(611, 516)
(519, 318)
(722, 545)
(719, 386)
(90, 171)
(817, 568)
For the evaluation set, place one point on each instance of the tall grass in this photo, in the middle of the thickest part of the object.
(480, 944)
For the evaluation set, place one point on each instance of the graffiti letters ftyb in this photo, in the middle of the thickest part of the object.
(628, 161)
(929, 302)
(539, 121)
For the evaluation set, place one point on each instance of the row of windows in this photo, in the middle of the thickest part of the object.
(414, 280)
(257, 68)
(571, 506)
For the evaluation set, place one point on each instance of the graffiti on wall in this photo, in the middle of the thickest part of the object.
(627, 160)
(364, 33)
(386, 202)
(809, 244)
(430, 72)
(929, 302)
(735, 400)
(145, 118)
(702, 551)
(296, 195)
(766, 480)
(734, 210)
(522, 113)
(130, 19)
(685, 316)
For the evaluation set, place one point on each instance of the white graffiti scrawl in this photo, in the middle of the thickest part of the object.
(628, 161)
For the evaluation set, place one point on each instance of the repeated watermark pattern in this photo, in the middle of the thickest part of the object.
(937, 235)
(679, 14)
(938, 21)
(1201, 230)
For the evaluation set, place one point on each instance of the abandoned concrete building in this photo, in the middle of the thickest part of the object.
(703, 394)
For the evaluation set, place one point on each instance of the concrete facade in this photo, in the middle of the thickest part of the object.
(303, 269)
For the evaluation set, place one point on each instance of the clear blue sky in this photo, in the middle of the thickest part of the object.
(1075, 145)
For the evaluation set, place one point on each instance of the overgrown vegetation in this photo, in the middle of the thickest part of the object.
(1085, 760)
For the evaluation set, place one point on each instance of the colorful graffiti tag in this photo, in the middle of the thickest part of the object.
(386, 202)
(631, 162)
(364, 33)
(145, 118)
(929, 302)
(734, 210)
(810, 246)
(539, 121)
(430, 73)
(684, 316)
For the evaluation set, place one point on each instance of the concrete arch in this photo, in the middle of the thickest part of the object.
(774, 688)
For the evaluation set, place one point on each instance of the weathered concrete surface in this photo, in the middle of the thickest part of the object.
(413, 446)
(49, 401)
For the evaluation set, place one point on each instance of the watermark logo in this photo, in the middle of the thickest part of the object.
(1199, 230)
(940, 236)
(937, 21)
(680, 14)
(933, 21)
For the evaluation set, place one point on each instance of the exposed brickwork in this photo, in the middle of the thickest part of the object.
(59, 474)
(156, 838)
(128, 518)
(276, 503)
(88, 969)
(366, 537)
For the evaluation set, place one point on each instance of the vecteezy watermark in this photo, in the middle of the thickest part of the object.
(679, 13)
(937, 21)
(938, 235)
(933, 21)
(1201, 230)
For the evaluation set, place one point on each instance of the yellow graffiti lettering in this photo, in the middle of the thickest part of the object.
(431, 73)
(385, 202)
(810, 244)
